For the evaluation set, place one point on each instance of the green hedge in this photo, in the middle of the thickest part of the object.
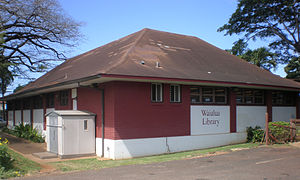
(26, 132)
(280, 133)
(254, 134)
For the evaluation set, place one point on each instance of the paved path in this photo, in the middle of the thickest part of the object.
(259, 163)
(22, 145)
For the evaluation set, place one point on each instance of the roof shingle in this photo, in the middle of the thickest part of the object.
(178, 56)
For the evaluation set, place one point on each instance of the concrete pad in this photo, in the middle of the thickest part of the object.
(45, 155)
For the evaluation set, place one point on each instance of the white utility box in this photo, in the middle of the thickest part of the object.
(71, 133)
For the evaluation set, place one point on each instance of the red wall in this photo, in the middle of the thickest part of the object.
(135, 116)
(89, 99)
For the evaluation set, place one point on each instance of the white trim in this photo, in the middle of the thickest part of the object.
(129, 148)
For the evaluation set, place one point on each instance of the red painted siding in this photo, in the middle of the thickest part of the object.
(269, 104)
(110, 111)
(232, 103)
(135, 116)
(89, 99)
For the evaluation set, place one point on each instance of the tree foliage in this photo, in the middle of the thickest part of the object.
(293, 69)
(34, 32)
(261, 57)
(275, 20)
(6, 78)
(19, 87)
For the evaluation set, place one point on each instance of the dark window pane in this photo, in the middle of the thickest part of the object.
(172, 93)
(64, 98)
(153, 90)
(289, 100)
(219, 91)
(258, 100)
(248, 100)
(50, 100)
(195, 99)
(258, 93)
(239, 99)
(177, 94)
(207, 99)
(85, 125)
(195, 90)
(158, 92)
(220, 99)
(207, 90)
(239, 92)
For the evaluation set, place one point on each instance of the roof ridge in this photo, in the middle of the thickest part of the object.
(123, 58)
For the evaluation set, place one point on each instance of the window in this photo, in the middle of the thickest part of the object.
(156, 92)
(208, 95)
(85, 125)
(10, 105)
(38, 102)
(283, 98)
(249, 96)
(64, 98)
(50, 100)
(175, 95)
(27, 103)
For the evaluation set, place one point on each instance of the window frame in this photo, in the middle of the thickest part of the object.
(178, 93)
(156, 99)
(200, 94)
(50, 100)
(85, 125)
(243, 96)
(64, 98)
(38, 102)
(284, 95)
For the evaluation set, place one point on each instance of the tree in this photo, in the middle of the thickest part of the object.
(19, 87)
(34, 32)
(6, 78)
(275, 20)
(293, 69)
(261, 57)
(239, 47)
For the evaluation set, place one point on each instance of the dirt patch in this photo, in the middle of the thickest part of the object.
(209, 154)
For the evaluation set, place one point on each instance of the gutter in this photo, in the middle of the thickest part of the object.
(102, 122)
(30, 91)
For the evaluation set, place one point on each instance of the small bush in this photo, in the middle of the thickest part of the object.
(254, 134)
(5, 159)
(26, 132)
(280, 133)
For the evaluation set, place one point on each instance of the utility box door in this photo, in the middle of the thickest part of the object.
(53, 135)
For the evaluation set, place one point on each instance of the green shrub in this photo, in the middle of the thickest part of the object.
(254, 134)
(280, 133)
(26, 132)
(5, 159)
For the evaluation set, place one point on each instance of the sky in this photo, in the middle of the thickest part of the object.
(105, 21)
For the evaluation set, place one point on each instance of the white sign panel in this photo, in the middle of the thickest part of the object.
(210, 119)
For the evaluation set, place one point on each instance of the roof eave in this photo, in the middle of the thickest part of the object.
(101, 78)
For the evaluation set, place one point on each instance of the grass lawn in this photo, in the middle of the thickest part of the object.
(22, 166)
(94, 163)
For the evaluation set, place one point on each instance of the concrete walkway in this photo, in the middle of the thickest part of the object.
(23, 146)
(27, 149)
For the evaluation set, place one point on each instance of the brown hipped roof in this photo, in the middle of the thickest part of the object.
(157, 54)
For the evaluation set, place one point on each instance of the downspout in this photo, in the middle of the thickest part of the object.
(102, 122)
